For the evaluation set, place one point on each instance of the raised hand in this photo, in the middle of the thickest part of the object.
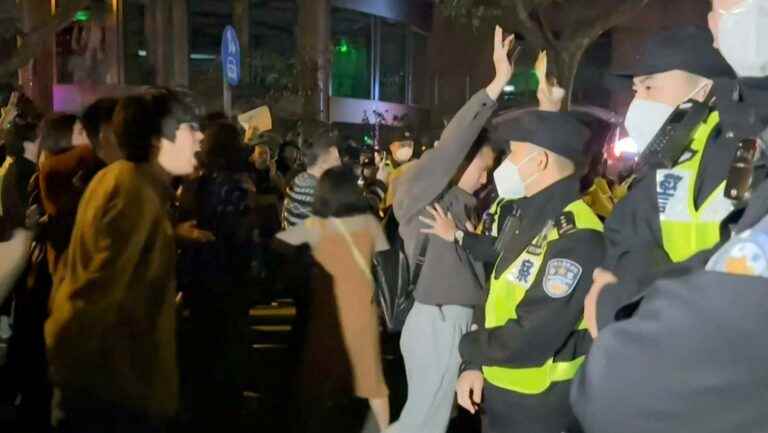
(550, 95)
(501, 62)
(10, 111)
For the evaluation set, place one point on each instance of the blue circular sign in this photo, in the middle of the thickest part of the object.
(230, 56)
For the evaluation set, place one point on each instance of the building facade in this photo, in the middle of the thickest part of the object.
(371, 55)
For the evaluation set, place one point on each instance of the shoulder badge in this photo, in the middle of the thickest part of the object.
(566, 223)
(561, 277)
(746, 255)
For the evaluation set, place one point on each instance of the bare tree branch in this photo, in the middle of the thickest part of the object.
(565, 28)
(521, 13)
(33, 40)
(545, 27)
(591, 27)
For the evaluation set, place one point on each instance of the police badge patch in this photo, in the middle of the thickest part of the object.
(746, 255)
(561, 277)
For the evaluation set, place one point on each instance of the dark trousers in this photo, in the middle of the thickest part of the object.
(506, 411)
(101, 418)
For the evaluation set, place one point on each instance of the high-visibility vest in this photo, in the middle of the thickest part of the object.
(509, 290)
(495, 214)
(686, 230)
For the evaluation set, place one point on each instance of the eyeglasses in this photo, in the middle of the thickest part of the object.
(195, 127)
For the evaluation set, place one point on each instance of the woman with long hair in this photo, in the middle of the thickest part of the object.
(343, 235)
(213, 277)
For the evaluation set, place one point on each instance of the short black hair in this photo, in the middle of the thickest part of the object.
(15, 136)
(222, 148)
(56, 132)
(209, 119)
(136, 126)
(481, 141)
(338, 195)
(323, 141)
(96, 116)
(173, 107)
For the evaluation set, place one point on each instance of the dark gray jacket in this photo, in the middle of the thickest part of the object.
(449, 276)
(692, 359)
(692, 356)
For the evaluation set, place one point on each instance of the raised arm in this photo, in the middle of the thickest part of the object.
(433, 173)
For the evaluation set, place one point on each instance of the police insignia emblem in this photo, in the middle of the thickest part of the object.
(561, 277)
(745, 255)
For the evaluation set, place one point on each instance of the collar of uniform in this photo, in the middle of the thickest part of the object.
(743, 106)
(548, 203)
(535, 213)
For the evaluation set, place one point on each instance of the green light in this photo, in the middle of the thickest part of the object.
(368, 139)
(83, 15)
(343, 46)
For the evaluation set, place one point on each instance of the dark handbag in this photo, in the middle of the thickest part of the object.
(395, 282)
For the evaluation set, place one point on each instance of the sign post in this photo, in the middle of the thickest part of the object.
(230, 64)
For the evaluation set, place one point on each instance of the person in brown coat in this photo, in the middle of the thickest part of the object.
(343, 235)
(111, 336)
(67, 165)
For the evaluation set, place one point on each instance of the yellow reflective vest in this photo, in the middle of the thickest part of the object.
(508, 291)
(686, 230)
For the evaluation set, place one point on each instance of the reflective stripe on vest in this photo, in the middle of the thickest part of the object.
(495, 211)
(508, 291)
(685, 230)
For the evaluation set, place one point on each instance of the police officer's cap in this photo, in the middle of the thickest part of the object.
(557, 132)
(687, 49)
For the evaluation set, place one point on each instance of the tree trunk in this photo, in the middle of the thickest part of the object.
(313, 59)
(566, 62)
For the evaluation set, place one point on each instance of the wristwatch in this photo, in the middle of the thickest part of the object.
(458, 236)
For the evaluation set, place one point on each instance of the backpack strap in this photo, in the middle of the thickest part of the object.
(420, 260)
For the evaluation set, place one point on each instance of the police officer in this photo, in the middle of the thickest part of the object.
(530, 338)
(692, 357)
(705, 329)
(670, 214)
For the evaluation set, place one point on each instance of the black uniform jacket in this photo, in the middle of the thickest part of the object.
(544, 323)
(634, 250)
(692, 356)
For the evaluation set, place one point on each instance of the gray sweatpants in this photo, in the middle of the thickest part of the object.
(430, 346)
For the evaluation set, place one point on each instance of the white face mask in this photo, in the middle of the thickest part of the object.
(743, 36)
(404, 154)
(644, 120)
(509, 183)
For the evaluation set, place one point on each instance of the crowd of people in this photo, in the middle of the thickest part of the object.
(133, 238)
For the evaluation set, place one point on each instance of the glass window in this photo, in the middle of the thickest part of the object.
(352, 54)
(138, 70)
(81, 46)
(421, 82)
(273, 45)
(206, 23)
(394, 62)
